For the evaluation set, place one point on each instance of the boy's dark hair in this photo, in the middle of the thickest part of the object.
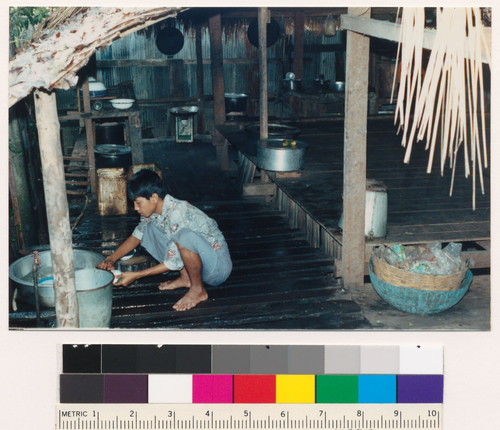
(144, 184)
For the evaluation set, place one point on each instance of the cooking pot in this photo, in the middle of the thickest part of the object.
(292, 84)
(281, 155)
(112, 156)
(109, 133)
(235, 102)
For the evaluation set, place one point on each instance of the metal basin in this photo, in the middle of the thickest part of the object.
(94, 287)
(279, 155)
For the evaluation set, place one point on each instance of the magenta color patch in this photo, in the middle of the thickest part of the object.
(212, 389)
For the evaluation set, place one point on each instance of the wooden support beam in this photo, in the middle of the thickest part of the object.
(90, 134)
(263, 18)
(61, 246)
(355, 128)
(135, 138)
(298, 45)
(199, 79)
(216, 55)
(390, 31)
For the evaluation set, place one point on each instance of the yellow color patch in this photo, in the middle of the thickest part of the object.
(295, 389)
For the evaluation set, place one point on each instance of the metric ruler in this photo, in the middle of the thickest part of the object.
(249, 416)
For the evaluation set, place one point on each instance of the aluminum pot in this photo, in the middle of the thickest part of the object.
(339, 87)
(281, 155)
(235, 102)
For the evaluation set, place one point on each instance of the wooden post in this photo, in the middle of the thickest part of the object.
(199, 79)
(263, 19)
(135, 136)
(61, 246)
(216, 62)
(19, 184)
(298, 45)
(355, 125)
(90, 134)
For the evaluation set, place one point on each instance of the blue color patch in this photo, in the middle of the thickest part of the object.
(377, 388)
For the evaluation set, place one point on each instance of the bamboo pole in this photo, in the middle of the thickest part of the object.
(61, 247)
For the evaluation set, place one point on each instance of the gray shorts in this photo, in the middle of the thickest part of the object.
(216, 264)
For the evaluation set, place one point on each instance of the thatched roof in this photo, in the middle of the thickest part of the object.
(63, 44)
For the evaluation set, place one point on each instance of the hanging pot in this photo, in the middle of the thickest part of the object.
(169, 40)
(273, 33)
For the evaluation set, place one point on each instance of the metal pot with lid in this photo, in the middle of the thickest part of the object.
(281, 155)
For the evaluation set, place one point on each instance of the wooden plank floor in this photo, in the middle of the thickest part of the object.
(278, 282)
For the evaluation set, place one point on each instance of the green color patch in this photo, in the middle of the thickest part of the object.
(337, 389)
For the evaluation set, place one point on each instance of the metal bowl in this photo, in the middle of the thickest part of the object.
(122, 103)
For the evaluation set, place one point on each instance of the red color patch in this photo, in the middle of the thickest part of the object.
(254, 388)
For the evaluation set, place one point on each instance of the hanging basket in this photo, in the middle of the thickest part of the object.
(420, 281)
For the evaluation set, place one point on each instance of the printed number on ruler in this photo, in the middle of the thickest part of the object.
(249, 416)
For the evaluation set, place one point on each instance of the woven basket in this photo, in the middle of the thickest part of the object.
(404, 278)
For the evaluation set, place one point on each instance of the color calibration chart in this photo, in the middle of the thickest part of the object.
(251, 387)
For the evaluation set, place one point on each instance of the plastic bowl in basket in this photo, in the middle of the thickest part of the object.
(418, 300)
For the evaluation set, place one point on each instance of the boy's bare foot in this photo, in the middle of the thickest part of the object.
(191, 299)
(182, 281)
(173, 285)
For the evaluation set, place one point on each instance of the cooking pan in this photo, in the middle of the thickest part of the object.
(273, 32)
(169, 40)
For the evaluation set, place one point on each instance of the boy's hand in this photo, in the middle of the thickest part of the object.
(107, 264)
(125, 279)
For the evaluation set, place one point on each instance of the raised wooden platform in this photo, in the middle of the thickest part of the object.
(420, 209)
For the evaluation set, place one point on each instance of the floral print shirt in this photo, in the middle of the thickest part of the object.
(177, 214)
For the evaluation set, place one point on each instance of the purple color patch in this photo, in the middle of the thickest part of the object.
(420, 388)
(125, 388)
(212, 389)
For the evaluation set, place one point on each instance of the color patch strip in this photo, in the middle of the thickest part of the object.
(421, 360)
(176, 388)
